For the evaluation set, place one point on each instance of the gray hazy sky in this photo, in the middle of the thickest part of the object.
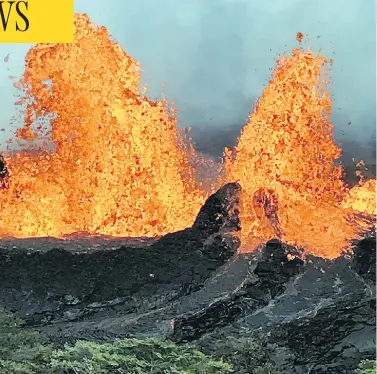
(215, 56)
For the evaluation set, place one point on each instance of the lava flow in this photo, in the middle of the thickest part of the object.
(112, 162)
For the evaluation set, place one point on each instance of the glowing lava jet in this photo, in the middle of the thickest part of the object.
(284, 161)
(120, 167)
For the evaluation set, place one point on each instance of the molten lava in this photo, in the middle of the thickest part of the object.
(109, 161)
(119, 166)
(362, 198)
(287, 150)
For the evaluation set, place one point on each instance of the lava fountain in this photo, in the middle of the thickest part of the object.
(285, 162)
(119, 166)
(110, 161)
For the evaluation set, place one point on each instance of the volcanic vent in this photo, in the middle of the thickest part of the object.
(98, 157)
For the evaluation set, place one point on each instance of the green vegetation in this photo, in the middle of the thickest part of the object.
(249, 356)
(25, 352)
(368, 367)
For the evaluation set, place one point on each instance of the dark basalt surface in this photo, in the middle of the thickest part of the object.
(324, 313)
(364, 259)
(62, 284)
(272, 272)
(192, 286)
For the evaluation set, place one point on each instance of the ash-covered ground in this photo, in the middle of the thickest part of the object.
(194, 288)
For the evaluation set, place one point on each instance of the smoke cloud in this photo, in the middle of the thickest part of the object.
(214, 57)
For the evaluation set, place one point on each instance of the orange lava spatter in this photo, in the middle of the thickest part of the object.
(299, 36)
(362, 198)
(118, 167)
(98, 157)
(285, 159)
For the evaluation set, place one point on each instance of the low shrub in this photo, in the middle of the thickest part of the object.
(368, 367)
(25, 352)
(251, 356)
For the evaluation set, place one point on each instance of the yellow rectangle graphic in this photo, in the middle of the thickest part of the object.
(36, 21)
